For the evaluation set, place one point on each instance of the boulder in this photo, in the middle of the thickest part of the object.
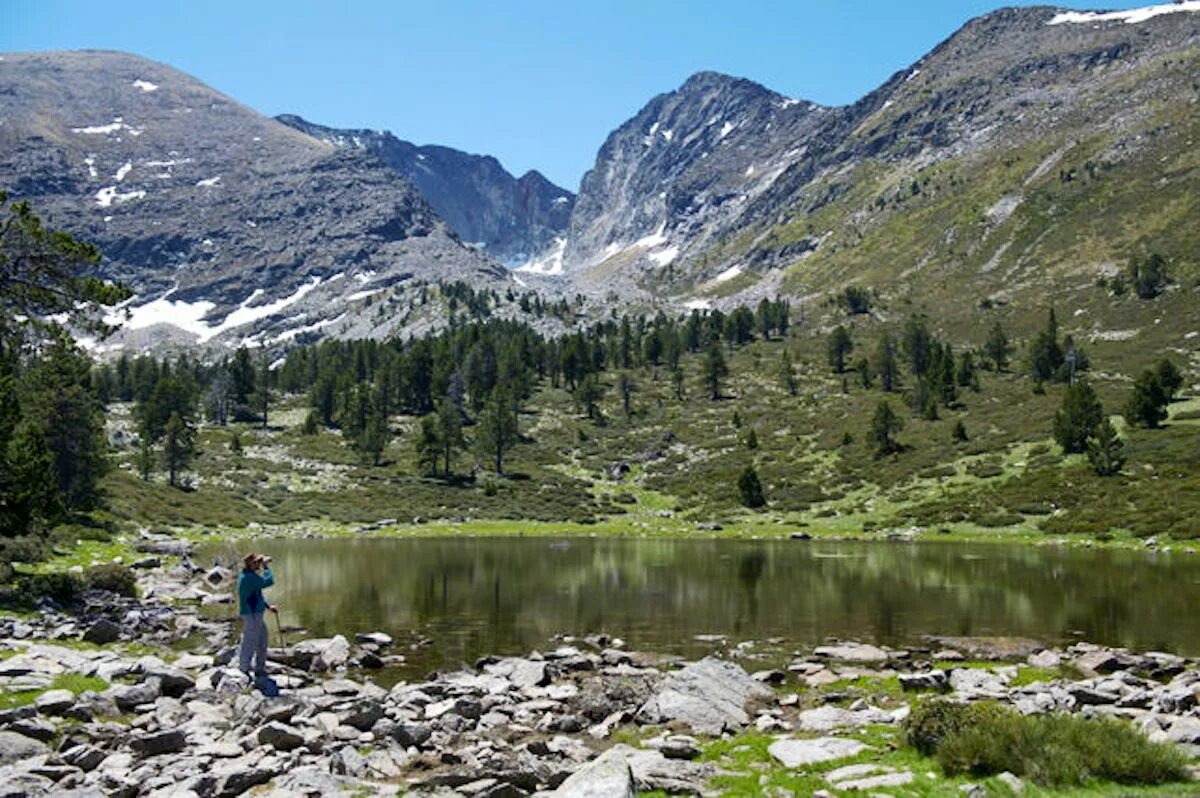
(164, 742)
(332, 655)
(130, 696)
(174, 681)
(35, 728)
(55, 702)
(362, 714)
(102, 632)
(606, 776)
(793, 753)
(709, 696)
(828, 718)
(529, 673)
(85, 757)
(374, 638)
(412, 734)
(280, 736)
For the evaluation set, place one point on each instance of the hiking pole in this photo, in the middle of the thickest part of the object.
(279, 628)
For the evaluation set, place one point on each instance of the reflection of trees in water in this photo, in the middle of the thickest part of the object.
(507, 595)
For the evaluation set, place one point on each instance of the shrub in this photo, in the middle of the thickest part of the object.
(1052, 750)
(63, 588)
(113, 577)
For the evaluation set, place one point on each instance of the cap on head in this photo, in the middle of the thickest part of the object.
(250, 560)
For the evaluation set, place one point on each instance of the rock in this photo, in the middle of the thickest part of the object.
(1105, 660)
(412, 734)
(55, 702)
(85, 757)
(374, 638)
(1046, 658)
(163, 742)
(230, 681)
(129, 697)
(875, 782)
(238, 779)
(828, 718)
(976, 683)
(769, 677)
(1089, 696)
(334, 654)
(680, 746)
(34, 728)
(174, 682)
(341, 687)
(529, 673)
(606, 776)
(102, 632)
(935, 679)
(25, 785)
(311, 781)
(794, 753)
(363, 714)
(1012, 782)
(347, 761)
(280, 736)
(709, 696)
(853, 652)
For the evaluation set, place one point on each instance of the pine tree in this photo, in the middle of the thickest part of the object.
(998, 349)
(787, 374)
(715, 370)
(838, 348)
(449, 429)
(1078, 418)
(750, 489)
(626, 388)
(1169, 378)
(588, 396)
(918, 345)
(884, 426)
(178, 446)
(885, 364)
(1046, 355)
(752, 440)
(1147, 406)
(1105, 450)
(428, 445)
(497, 431)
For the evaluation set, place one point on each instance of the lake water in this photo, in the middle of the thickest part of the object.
(475, 596)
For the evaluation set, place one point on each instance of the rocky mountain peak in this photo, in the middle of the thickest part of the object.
(512, 219)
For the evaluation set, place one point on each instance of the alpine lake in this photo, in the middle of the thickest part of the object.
(448, 601)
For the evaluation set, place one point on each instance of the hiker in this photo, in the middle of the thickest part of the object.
(251, 607)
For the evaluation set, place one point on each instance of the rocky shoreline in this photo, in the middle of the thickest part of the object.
(586, 718)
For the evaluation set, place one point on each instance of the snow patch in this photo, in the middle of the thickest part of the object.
(789, 102)
(912, 74)
(1130, 16)
(167, 164)
(550, 262)
(728, 274)
(145, 85)
(208, 182)
(559, 201)
(668, 135)
(91, 165)
(697, 304)
(288, 335)
(357, 295)
(648, 139)
(100, 130)
(1004, 207)
(122, 172)
(1114, 335)
(726, 129)
(655, 239)
(108, 196)
(750, 170)
(665, 256)
(189, 316)
(365, 277)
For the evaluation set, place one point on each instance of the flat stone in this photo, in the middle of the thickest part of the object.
(794, 753)
(55, 702)
(606, 776)
(1047, 658)
(15, 747)
(853, 652)
(374, 638)
(163, 742)
(341, 687)
(709, 696)
(849, 772)
(935, 679)
(875, 782)
(85, 757)
(35, 728)
(828, 718)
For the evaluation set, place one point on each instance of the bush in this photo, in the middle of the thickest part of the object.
(113, 577)
(63, 588)
(986, 738)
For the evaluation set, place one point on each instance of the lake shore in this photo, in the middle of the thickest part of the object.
(127, 696)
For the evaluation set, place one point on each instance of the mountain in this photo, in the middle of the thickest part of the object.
(1033, 151)
(229, 225)
(513, 219)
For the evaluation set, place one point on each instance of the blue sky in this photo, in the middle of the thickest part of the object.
(537, 84)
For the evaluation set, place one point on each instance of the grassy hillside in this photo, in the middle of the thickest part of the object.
(672, 464)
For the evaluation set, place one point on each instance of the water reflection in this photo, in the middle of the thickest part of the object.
(509, 595)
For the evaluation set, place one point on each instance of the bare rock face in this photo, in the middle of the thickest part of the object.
(709, 696)
(606, 776)
(513, 219)
(237, 224)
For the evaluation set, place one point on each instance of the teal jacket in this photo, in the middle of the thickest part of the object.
(250, 587)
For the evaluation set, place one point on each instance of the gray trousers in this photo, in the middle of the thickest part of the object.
(254, 644)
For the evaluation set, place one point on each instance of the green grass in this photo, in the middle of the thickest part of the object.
(75, 682)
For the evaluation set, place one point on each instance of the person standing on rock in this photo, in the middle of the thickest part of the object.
(251, 607)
